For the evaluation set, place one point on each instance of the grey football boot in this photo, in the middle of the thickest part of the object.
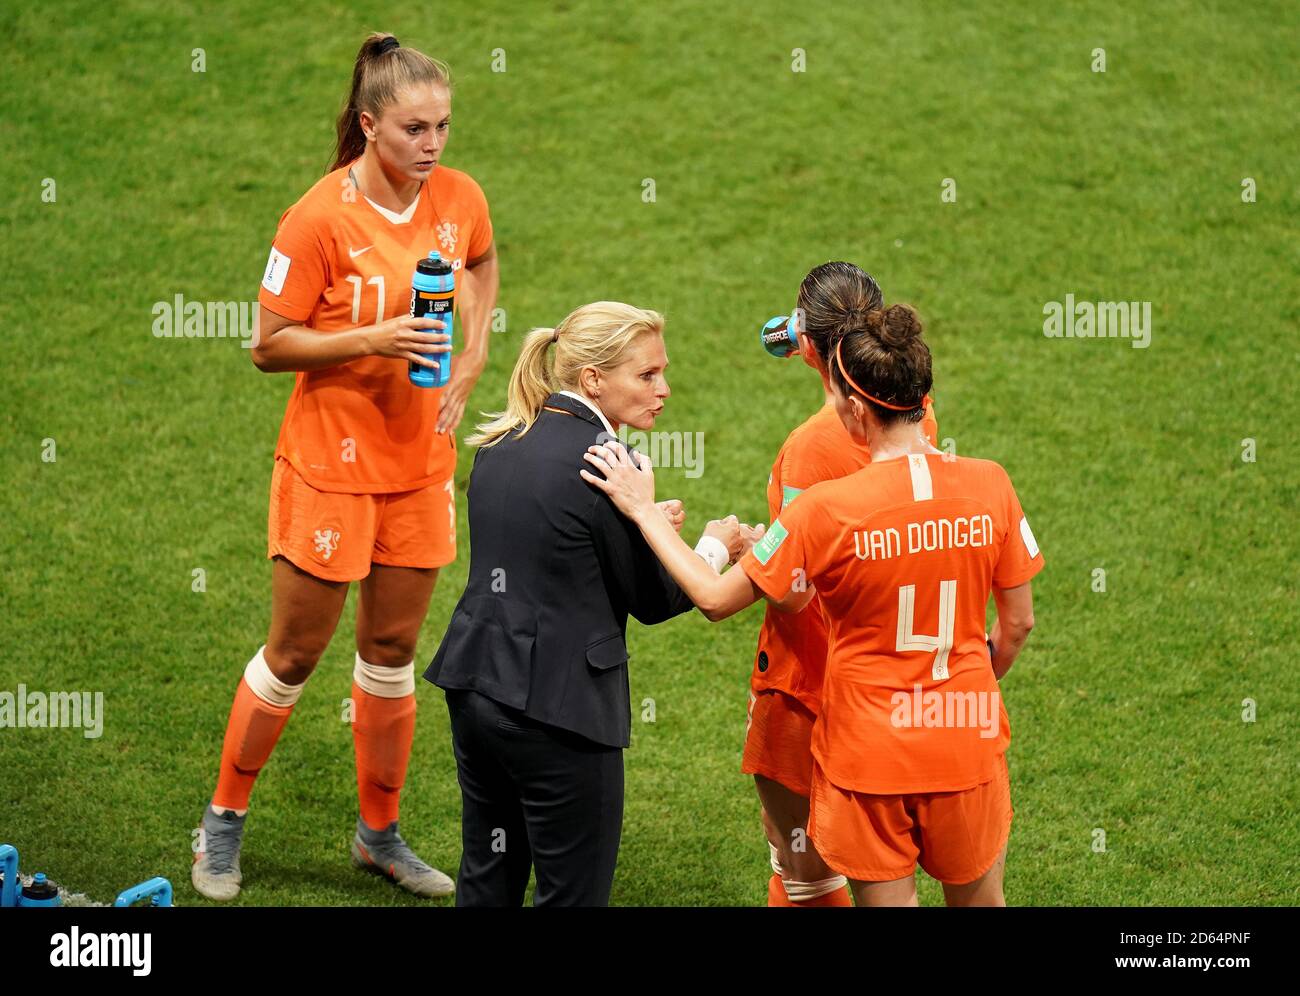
(384, 852)
(215, 872)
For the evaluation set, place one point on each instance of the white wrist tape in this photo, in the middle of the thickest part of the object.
(776, 859)
(714, 552)
(385, 682)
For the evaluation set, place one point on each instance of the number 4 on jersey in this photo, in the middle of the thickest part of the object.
(941, 644)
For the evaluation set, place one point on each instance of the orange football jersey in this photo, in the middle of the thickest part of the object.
(338, 263)
(904, 555)
(791, 651)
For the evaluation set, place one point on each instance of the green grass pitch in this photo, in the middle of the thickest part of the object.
(1127, 705)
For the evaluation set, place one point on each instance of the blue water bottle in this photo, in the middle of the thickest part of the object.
(780, 337)
(40, 893)
(433, 294)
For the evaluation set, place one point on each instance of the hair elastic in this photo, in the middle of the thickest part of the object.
(388, 44)
(839, 359)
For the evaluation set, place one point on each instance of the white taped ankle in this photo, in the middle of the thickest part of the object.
(801, 892)
(385, 682)
(266, 686)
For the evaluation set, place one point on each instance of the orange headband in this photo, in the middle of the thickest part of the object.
(883, 404)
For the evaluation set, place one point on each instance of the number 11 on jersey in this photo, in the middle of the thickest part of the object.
(378, 281)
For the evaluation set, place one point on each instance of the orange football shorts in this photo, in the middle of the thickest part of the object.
(336, 537)
(954, 836)
(778, 741)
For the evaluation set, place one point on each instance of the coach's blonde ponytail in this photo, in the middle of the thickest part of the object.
(530, 385)
(382, 70)
(595, 335)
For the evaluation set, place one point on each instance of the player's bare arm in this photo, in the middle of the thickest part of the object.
(481, 280)
(631, 488)
(1011, 628)
(286, 345)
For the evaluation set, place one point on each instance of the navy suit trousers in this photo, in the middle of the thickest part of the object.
(534, 797)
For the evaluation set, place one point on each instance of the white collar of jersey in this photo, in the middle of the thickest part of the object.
(393, 216)
(594, 407)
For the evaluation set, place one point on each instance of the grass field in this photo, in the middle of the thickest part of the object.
(1123, 185)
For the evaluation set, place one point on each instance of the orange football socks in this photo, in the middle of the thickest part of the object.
(837, 896)
(383, 728)
(261, 708)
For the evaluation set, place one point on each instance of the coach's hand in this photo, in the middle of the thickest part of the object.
(631, 486)
(674, 512)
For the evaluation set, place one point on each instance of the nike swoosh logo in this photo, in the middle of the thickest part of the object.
(354, 253)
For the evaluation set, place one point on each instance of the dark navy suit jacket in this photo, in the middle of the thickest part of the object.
(554, 572)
